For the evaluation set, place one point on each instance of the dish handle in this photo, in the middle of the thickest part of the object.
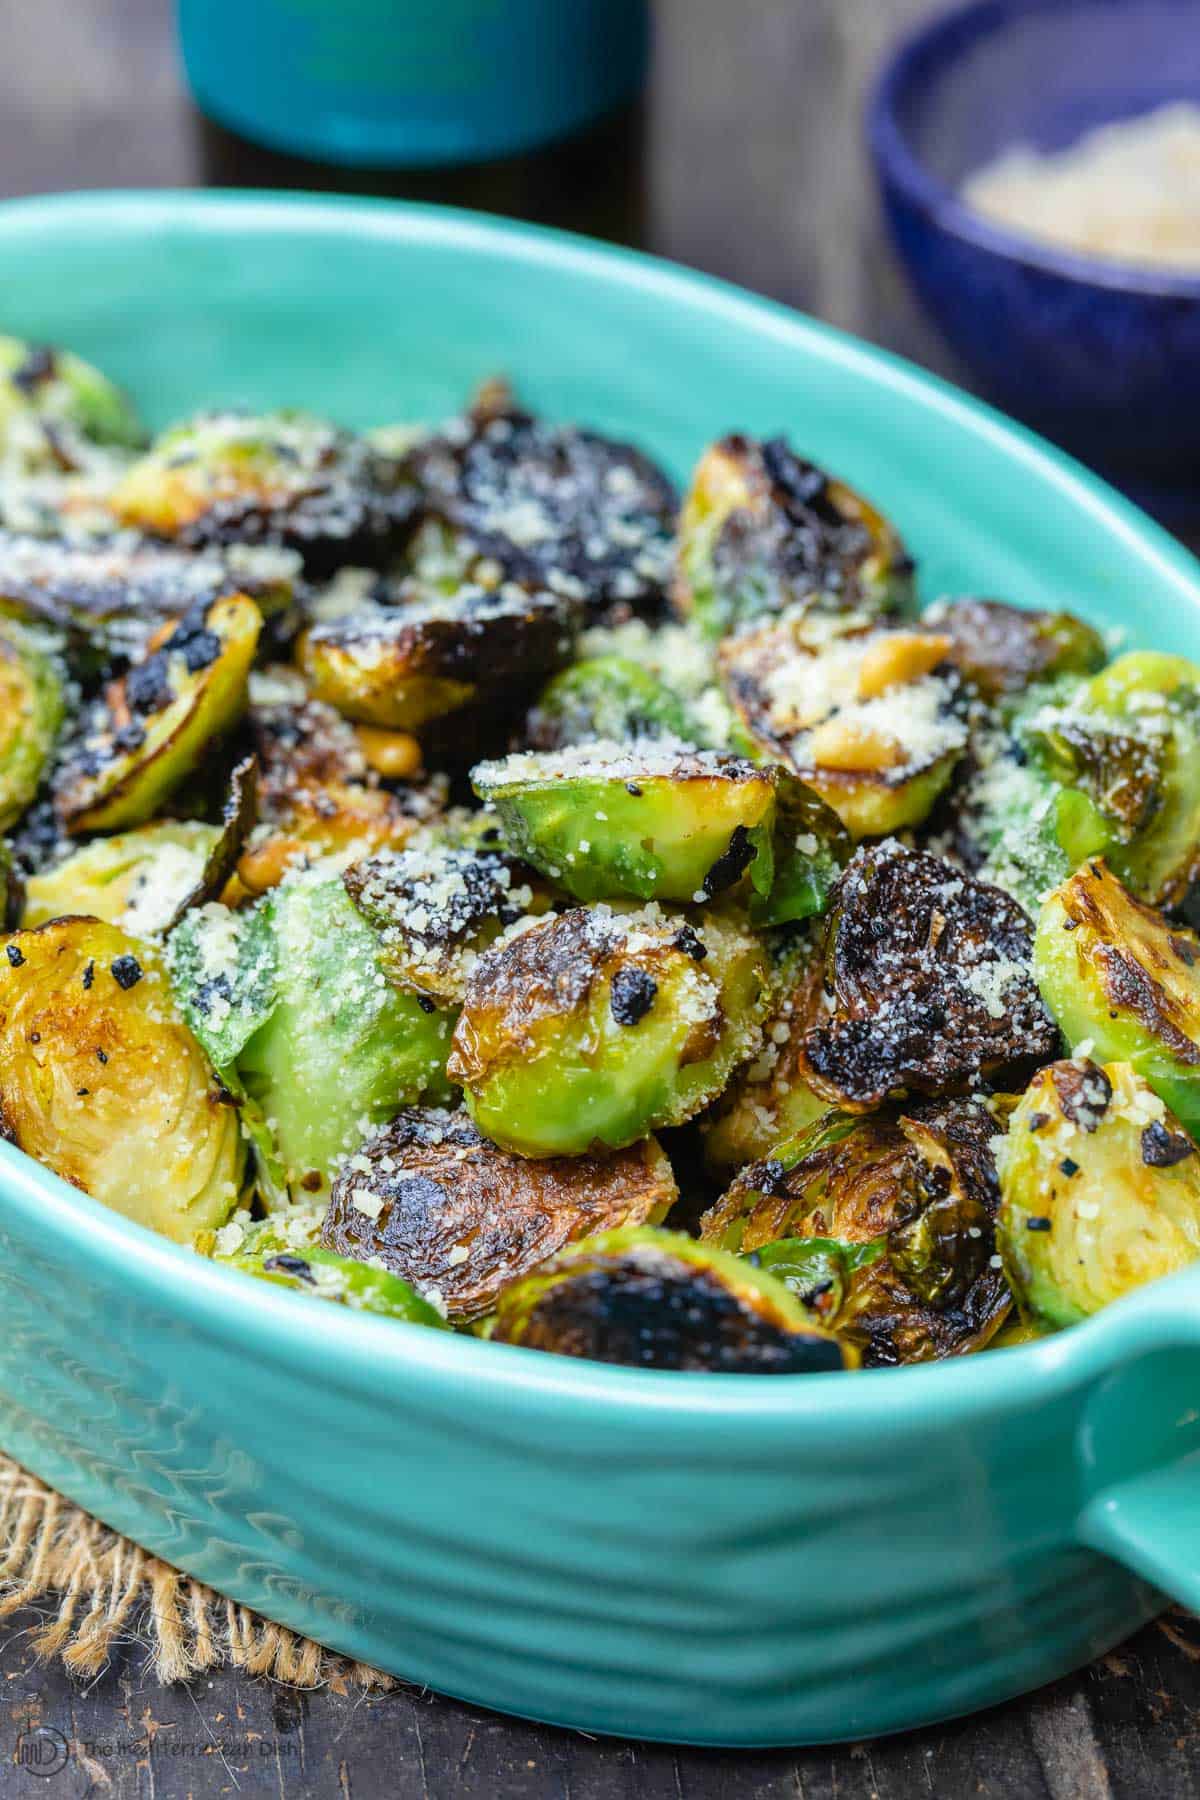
(1139, 1447)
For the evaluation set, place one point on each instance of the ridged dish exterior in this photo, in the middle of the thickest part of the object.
(706, 1560)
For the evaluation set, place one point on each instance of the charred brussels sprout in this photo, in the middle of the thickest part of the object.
(136, 745)
(274, 1250)
(101, 1080)
(883, 1227)
(1003, 650)
(31, 712)
(283, 478)
(436, 1203)
(138, 879)
(50, 399)
(437, 908)
(771, 1098)
(873, 720)
(1123, 750)
(654, 819)
(659, 1300)
(586, 517)
(606, 697)
(930, 983)
(408, 665)
(341, 1050)
(596, 1027)
(1119, 976)
(762, 530)
(1101, 1190)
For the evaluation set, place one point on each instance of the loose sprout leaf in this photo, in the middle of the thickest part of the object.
(909, 1203)
(588, 517)
(930, 982)
(435, 1202)
(282, 478)
(101, 1079)
(31, 711)
(135, 746)
(762, 530)
(557, 1056)
(238, 816)
(1101, 1190)
(1125, 980)
(659, 1300)
(224, 970)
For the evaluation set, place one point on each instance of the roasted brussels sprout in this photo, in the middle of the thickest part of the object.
(1121, 978)
(586, 517)
(653, 819)
(610, 698)
(31, 712)
(659, 1300)
(1101, 1190)
(872, 719)
(137, 880)
(137, 744)
(279, 478)
(1124, 749)
(436, 909)
(1003, 649)
(407, 665)
(895, 1219)
(274, 1250)
(319, 793)
(101, 1079)
(51, 399)
(433, 1201)
(770, 1098)
(596, 1027)
(762, 530)
(929, 980)
(341, 1050)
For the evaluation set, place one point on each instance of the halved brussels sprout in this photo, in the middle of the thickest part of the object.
(155, 724)
(341, 1050)
(276, 478)
(31, 712)
(871, 718)
(1124, 749)
(587, 517)
(1101, 1190)
(762, 530)
(407, 665)
(273, 1250)
(659, 1300)
(101, 1079)
(895, 1220)
(608, 697)
(51, 398)
(770, 1098)
(437, 908)
(654, 819)
(433, 1201)
(596, 1027)
(930, 983)
(1120, 977)
(137, 879)
(1002, 649)
(109, 598)
(319, 795)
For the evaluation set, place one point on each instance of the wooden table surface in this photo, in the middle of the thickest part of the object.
(746, 161)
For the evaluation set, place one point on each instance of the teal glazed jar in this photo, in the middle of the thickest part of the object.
(411, 83)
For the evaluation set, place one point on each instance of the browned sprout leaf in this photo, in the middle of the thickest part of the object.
(929, 981)
(444, 1208)
(1003, 649)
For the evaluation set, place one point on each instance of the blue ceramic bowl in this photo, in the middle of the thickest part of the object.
(1101, 357)
(699, 1558)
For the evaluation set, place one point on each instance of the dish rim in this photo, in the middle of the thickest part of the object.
(935, 40)
(363, 1352)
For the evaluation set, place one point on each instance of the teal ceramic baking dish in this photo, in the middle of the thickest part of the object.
(705, 1559)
